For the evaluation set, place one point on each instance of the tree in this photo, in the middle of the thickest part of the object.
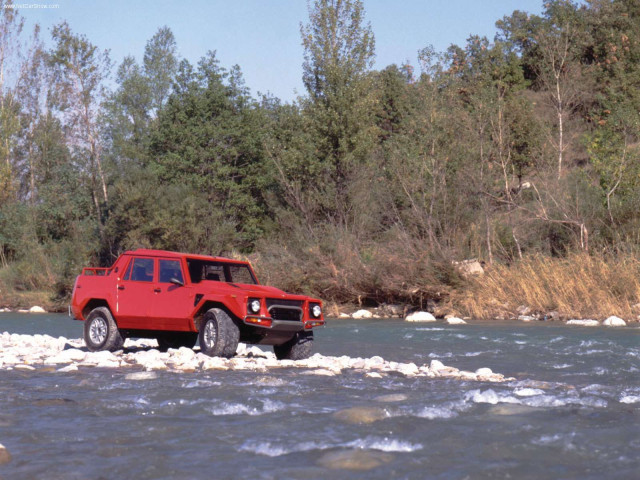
(209, 136)
(79, 71)
(339, 51)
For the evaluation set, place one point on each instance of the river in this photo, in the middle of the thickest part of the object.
(573, 411)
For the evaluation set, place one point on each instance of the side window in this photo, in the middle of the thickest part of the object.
(127, 274)
(170, 269)
(142, 270)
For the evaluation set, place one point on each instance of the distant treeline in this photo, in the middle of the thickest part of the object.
(365, 189)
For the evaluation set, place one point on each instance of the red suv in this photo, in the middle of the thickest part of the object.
(179, 298)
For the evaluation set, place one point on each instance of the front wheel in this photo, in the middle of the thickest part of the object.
(101, 331)
(298, 348)
(219, 335)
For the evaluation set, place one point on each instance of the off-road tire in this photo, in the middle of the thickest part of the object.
(219, 335)
(101, 331)
(176, 340)
(298, 348)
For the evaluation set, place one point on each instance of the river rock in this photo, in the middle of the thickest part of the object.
(141, 376)
(37, 309)
(420, 317)
(436, 365)
(361, 415)
(391, 398)
(583, 323)
(66, 356)
(5, 456)
(360, 460)
(362, 314)
(614, 321)
(23, 310)
(484, 371)
(455, 321)
(526, 318)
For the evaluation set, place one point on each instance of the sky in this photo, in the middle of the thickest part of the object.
(263, 36)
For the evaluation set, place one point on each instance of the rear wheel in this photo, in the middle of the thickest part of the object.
(298, 348)
(176, 340)
(219, 335)
(101, 331)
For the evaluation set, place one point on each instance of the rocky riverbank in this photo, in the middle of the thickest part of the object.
(62, 355)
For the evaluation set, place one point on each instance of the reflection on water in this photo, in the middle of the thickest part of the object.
(573, 411)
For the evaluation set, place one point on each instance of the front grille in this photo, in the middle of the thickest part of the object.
(290, 310)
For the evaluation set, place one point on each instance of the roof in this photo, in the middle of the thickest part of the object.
(168, 254)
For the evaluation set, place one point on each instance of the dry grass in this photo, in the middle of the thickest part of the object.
(579, 286)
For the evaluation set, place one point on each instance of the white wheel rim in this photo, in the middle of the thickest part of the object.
(210, 334)
(98, 330)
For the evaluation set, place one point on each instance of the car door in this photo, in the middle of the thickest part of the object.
(173, 302)
(135, 294)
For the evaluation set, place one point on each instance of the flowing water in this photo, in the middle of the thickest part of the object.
(572, 413)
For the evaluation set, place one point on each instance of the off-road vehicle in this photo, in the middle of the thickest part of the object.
(180, 298)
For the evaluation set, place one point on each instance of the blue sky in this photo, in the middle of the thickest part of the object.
(263, 36)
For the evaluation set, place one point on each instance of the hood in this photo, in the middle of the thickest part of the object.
(250, 290)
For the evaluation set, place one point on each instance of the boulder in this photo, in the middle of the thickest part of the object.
(5, 456)
(360, 460)
(455, 321)
(526, 318)
(362, 314)
(436, 365)
(583, 323)
(361, 415)
(484, 371)
(614, 321)
(469, 267)
(37, 309)
(420, 317)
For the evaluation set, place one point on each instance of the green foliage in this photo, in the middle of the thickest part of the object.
(365, 190)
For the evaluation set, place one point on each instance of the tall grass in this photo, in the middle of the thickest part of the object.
(579, 286)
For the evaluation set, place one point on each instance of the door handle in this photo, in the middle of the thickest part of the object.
(120, 287)
(157, 290)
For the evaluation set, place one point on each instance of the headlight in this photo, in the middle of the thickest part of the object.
(316, 311)
(254, 305)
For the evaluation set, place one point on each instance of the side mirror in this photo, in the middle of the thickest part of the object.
(175, 281)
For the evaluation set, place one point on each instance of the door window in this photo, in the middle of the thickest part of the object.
(170, 269)
(142, 270)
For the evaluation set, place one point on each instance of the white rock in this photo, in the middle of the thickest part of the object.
(436, 365)
(455, 321)
(614, 321)
(66, 356)
(584, 323)
(141, 376)
(320, 371)
(484, 371)
(68, 368)
(24, 367)
(526, 318)
(362, 314)
(23, 310)
(344, 315)
(420, 317)
(37, 309)
(373, 375)
(408, 369)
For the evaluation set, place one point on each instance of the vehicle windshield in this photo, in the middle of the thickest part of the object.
(200, 270)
